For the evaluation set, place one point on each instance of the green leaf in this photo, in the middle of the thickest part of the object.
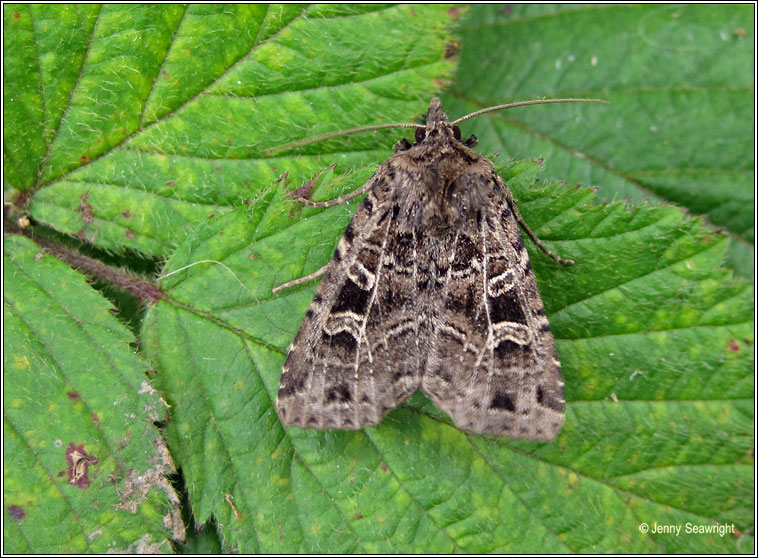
(74, 392)
(680, 82)
(647, 326)
(128, 125)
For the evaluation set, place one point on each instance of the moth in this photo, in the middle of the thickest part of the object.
(429, 288)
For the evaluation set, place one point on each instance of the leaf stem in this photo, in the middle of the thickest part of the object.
(146, 291)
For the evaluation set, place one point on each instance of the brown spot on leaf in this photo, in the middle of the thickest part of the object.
(740, 32)
(95, 418)
(85, 209)
(126, 214)
(84, 159)
(451, 49)
(384, 467)
(16, 512)
(170, 183)
(454, 13)
(22, 198)
(73, 396)
(130, 234)
(733, 346)
(306, 189)
(136, 487)
(78, 465)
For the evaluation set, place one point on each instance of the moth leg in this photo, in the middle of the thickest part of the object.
(338, 201)
(527, 230)
(295, 282)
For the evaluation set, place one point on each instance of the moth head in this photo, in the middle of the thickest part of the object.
(437, 124)
(435, 115)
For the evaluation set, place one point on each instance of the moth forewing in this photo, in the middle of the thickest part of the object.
(430, 288)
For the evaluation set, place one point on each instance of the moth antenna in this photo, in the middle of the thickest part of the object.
(524, 103)
(330, 135)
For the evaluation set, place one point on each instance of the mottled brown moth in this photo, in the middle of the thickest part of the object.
(430, 288)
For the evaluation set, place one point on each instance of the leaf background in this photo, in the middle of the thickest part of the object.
(143, 129)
